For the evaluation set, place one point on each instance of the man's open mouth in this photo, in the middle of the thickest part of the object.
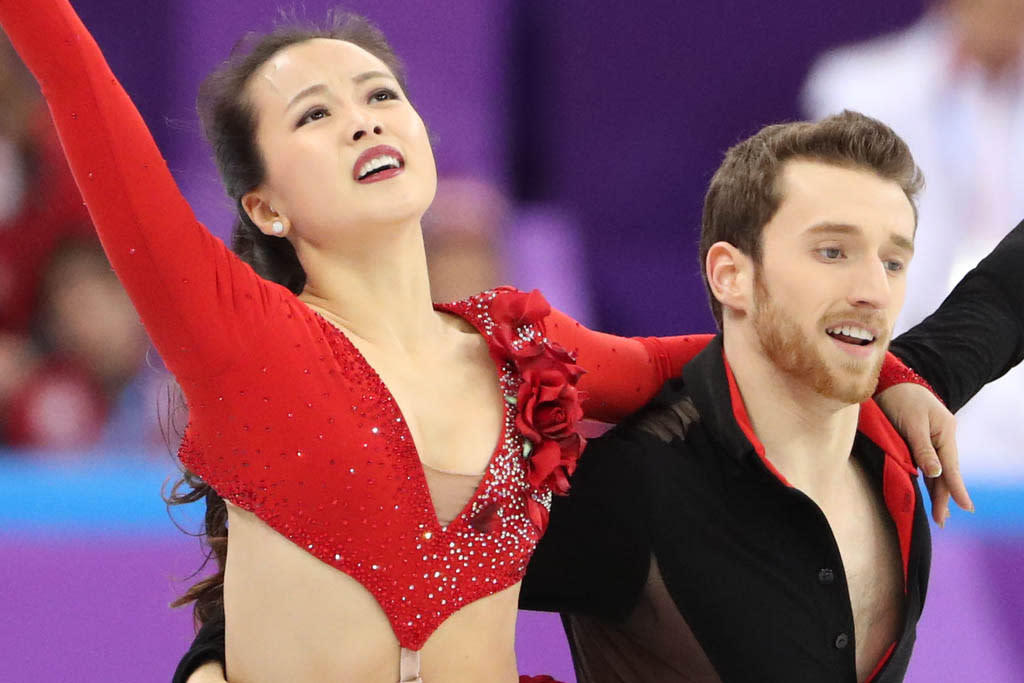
(851, 334)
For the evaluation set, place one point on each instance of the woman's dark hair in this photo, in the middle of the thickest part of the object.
(229, 122)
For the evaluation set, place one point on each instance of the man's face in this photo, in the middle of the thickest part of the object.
(833, 277)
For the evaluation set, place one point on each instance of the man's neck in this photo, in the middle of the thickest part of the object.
(806, 436)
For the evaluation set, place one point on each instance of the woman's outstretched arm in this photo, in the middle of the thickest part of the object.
(196, 299)
(622, 373)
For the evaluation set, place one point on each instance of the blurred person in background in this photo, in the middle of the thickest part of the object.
(84, 387)
(70, 343)
(462, 232)
(477, 238)
(952, 85)
(39, 202)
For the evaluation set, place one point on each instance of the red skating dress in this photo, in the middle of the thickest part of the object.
(287, 419)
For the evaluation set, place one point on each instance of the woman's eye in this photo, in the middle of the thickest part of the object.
(383, 95)
(314, 114)
(831, 253)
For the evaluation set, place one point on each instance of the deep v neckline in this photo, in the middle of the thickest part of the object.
(426, 506)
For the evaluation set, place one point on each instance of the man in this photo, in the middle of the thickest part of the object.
(761, 520)
(726, 533)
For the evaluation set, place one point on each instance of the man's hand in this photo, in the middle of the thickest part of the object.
(211, 672)
(930, 432)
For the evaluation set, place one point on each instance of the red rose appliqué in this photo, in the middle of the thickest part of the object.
(547, 401)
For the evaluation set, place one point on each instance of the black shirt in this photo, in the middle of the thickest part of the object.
(749, 563)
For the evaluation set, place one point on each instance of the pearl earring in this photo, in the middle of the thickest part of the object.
(278, 227)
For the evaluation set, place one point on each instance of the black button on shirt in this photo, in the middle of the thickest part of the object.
(826, 575)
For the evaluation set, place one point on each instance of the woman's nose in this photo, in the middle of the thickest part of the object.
(360, 132)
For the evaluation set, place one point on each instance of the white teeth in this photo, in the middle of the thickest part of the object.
(378, 163)
(852, 331)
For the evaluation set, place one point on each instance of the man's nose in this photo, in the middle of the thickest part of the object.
(871, 285)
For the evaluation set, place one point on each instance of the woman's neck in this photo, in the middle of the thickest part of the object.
(380, 294)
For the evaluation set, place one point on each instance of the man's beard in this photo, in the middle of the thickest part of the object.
(788, 348)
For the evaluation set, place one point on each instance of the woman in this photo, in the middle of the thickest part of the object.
(378, 533)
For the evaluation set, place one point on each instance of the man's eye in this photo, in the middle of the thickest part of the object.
(831, 253)
(894, 266)
(314, 114)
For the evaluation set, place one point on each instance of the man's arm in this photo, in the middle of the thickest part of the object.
(977, 334)
(204, 661)
(594, 556)
(211, 672)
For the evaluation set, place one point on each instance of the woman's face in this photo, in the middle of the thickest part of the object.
(344, 151)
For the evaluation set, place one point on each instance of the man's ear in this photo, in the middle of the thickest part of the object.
(730, 277)
(262, 214)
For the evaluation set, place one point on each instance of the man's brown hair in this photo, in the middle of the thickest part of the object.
(744, 193)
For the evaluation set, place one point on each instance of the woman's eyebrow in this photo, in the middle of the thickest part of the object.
(367, 75)
(315, 88)
(320, 87)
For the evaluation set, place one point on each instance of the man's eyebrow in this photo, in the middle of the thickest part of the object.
(829, 228)
(832, 228)
(902, 242)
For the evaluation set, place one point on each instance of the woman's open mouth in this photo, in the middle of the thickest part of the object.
(378, 163)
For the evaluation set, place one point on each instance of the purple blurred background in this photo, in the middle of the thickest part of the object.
(614, 114)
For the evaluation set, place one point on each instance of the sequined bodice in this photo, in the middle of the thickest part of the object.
(331, 465)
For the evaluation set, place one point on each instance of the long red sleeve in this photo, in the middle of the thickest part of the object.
(622, 373)
(200, 304)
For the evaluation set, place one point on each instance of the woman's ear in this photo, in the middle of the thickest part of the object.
(730, 277)
(262, 214)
